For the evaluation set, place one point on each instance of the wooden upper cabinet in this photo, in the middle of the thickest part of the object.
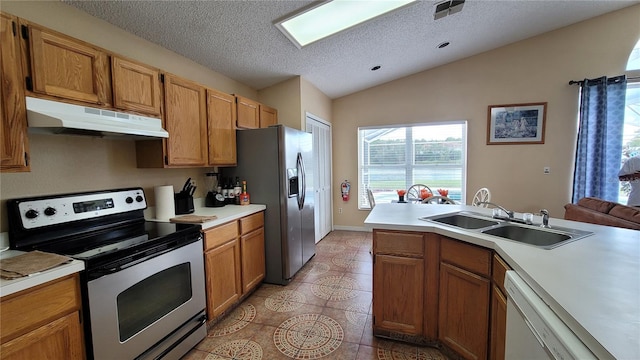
(136, 87)
(67, 68)
(268, 116)
(221, 124)
(13, 132)
(248, 113)
(186, 122)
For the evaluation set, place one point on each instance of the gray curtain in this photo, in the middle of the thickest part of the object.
(599, 148)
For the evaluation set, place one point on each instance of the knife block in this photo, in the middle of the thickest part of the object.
(184, 203)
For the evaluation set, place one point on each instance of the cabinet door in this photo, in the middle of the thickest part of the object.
(223, 277)
(268, 116)
(60, 339)
(248, 113)
(398, 287)
(221, 124)
(463, 322)
(13, 132)
(498, 324)
(186, 122)
(253, 265)
(136, 87)
(68, 68)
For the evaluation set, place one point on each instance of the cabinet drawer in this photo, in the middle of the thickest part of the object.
(251, 222)
(398, 243)
(31, 308)
(499, 270)
(466, 256)
(220, 235)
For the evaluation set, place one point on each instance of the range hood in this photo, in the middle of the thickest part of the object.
(53, 117)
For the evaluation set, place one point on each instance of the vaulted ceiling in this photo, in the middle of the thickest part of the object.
(238, 39)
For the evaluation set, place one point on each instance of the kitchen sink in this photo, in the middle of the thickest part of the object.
(546, 238)
(464, 221)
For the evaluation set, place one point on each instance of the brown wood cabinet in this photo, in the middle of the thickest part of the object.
(185, 119)
(61, 66)
(398, 306)
(13, 132)
(43, 320)
(234, 262)
(463, 323)
(498, 309)
(248, 113)
(221, 125)
(136, 87)
(222, 268)
(252, 250)
(268, 116)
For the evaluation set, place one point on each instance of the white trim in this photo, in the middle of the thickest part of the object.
(352, 228)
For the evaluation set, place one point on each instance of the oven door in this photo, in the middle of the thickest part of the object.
(135, 308)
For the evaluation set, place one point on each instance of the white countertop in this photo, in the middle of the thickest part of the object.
(592, 284)
(12, 286)
(225, 214)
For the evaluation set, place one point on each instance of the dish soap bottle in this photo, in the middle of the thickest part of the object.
(244, 197)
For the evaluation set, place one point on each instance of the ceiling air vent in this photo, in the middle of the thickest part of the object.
(448, 7)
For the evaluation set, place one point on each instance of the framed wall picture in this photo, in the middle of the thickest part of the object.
(516, 123)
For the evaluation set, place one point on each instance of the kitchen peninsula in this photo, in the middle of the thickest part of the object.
(591, 283)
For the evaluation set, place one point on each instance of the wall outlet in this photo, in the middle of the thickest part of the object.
(546, 170)
(339, 210)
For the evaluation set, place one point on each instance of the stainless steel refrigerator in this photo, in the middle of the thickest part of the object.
(275, 163)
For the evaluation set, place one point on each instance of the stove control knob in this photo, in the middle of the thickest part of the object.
(129, 199)
(50, 211)
(139, 198)
(31, 214)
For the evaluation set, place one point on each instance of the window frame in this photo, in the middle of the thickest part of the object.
(361, 191)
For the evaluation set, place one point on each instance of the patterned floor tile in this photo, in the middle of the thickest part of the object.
(324, 313)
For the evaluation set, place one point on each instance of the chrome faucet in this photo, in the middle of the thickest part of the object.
(508, 212)
(545, 218)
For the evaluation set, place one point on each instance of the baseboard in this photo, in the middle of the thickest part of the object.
(351, 228)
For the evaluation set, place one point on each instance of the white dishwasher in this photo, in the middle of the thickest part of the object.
(534, 331)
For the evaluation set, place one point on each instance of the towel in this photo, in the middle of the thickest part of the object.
(30, 263)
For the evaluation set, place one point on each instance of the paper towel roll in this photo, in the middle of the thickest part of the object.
(165, 205)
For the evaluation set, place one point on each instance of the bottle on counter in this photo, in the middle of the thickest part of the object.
(231, 192)
(244, 196)
(225, 191)
(237, 190)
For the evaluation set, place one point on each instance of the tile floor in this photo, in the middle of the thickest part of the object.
(324, 313)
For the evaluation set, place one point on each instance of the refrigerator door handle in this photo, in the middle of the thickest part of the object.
(302, 185)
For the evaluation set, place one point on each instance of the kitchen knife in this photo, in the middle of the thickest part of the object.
(185, 187)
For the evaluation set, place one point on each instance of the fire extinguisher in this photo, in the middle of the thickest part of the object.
(345, 187)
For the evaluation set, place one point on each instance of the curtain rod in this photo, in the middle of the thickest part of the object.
(580, 82)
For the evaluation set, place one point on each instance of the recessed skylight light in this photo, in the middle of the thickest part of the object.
(331, 17)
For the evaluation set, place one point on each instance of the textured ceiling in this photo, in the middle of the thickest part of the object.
(238, 39)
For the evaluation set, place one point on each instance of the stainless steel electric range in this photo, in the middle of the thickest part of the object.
(143, 285)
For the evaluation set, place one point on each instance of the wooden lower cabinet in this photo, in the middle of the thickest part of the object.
(463, 322)
(234, 262)
(498, 324)
(465, 286)
(398, 306)
(253, 261)
(59, 339)
(223, 277)
(43, 320)
(498, 309)
(440, 291)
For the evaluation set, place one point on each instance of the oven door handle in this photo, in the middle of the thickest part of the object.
(122, 264)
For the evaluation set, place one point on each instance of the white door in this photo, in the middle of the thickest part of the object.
(321, 131)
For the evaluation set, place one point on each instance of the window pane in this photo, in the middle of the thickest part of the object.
(393, 158)
(631, 132)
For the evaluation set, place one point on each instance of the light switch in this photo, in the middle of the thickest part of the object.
(546, 170)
